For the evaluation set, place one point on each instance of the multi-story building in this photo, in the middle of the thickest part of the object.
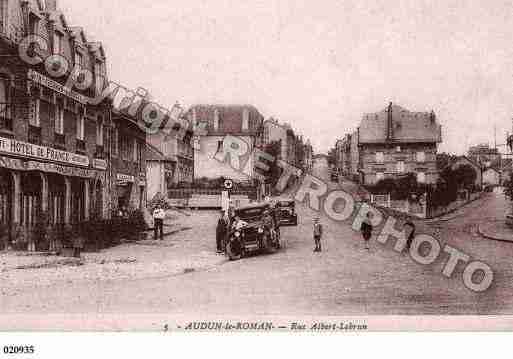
(55, 156)
(160, 171)
(242, 121)
(308, 160)
(178, 149)
(128, 163)
(392, 143)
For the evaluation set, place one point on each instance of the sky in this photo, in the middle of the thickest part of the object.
(318, 65)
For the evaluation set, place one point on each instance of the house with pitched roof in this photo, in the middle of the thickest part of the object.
(216, 122)
(392, 143)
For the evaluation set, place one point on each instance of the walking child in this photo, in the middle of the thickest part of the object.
(317, 234)
(366, 229)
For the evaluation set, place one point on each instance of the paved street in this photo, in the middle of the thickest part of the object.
(344, 279)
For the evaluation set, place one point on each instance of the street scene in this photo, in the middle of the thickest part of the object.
(115, 202)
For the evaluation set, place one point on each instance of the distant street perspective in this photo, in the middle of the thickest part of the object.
(114, 202)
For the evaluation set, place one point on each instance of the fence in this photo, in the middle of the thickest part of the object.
(415, 208)
(207, 198)
(421, 208)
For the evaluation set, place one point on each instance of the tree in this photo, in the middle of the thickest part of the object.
(273, 173)
(332, 157)
(508, 187)
(443, 160)
(465, 176)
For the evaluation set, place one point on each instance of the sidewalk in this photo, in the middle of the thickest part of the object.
(188, 246)
(497, 230)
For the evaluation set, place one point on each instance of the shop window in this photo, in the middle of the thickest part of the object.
(421, 156)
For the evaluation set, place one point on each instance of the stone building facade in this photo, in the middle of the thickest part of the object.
(55, 143)
(217, 121)
(389, 144)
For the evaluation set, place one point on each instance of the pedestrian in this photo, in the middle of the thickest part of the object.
(366, 229)
(158, 219)
(78, 241)
(221, 231)
(409, 228)
(317, 234)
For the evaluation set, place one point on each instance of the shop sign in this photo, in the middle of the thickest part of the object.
(54, 85)
(62, 170)
(125, 179)
(100, 164)
(17, 164)
(12, 163)
(14, 147)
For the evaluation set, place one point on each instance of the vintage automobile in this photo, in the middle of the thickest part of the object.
(287, 212)
(254, 228)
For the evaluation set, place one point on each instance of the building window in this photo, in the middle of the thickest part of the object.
(99, 73)
(34, 25)
(421, 177)
(57, 43)
(400, 167)
(59, 119)
(99, 131)
(380, 157)
(79, 59)
(380, 176)
(135, 154)
(115, 142)
(421, 156)
(80, 126)
(35, 118)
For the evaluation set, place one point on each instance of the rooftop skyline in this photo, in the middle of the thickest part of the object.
(318, 66)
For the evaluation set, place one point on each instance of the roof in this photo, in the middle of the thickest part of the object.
(230, 118)
(406, 126)
(465, 158)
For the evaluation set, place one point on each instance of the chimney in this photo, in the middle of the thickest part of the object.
(51, 5)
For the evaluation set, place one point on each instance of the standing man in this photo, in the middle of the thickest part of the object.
(221, 230)
(158, 218)
(410, 229)
(366, 230)
(317, 234)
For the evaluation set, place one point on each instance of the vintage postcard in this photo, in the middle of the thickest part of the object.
(256, 166)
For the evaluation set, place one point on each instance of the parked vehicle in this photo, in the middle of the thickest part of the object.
(287, 212)
(254, 228)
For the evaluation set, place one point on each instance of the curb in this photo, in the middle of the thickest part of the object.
(489, 236)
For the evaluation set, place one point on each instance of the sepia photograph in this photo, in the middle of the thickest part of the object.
(333, 166)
